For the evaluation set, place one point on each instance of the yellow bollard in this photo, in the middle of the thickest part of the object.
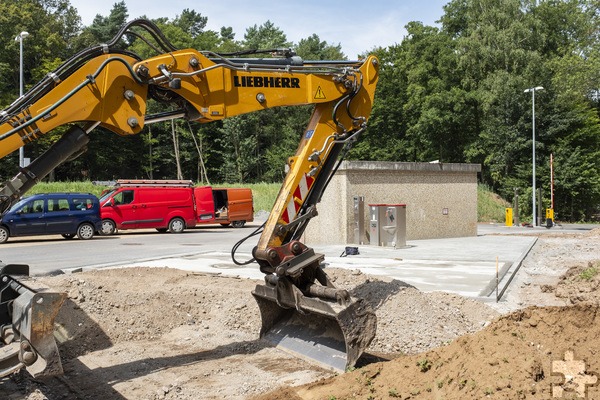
(509, 217)
(549, 217)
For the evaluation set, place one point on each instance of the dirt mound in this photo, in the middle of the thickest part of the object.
(516, 357)
(581, 284)
(111, 306)
(116, 305)
(161, 333)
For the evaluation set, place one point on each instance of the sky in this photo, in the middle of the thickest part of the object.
(357, 26)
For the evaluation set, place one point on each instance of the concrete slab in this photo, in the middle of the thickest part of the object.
(467, 266)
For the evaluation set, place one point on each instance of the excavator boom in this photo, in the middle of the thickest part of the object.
(109, 87)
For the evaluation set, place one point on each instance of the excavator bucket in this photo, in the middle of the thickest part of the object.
(27, 325)
(329, 329)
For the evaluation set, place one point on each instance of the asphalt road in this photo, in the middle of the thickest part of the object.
(46, 254)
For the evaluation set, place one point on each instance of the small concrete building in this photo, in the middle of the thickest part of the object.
(440, 200)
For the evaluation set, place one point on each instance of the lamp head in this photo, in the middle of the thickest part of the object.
(22, 36)
(533, 89)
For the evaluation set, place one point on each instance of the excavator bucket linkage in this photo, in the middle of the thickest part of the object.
(27, 325)
(318, 322)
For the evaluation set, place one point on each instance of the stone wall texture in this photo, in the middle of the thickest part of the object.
(440, 199)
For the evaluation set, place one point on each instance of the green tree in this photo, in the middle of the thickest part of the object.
(265, 36)
(383, 139)
(191, 22)
(103, 29)
(51, 26)
(313, 48)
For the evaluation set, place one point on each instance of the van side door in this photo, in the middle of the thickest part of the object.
(29, 219)
(60, 218)
(205, 205)
(125, 209)
(240, 203)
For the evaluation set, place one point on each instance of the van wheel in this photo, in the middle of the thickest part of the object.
(3, 234)
(85, 231)
(176, 225)
(68, 235)
(108, 227)
(238, 224)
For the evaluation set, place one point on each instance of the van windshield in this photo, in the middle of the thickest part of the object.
(18, 205)
(107, 195)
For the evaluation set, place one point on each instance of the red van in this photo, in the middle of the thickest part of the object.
(172, 206)
(138, 207)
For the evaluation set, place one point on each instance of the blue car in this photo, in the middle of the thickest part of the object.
(66, 214)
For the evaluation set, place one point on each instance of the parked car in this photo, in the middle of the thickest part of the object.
(172, 206)
(66, 214)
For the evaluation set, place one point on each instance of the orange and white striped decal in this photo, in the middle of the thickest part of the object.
(298, 198)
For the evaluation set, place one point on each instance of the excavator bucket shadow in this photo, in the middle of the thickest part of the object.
(324, 331)
(27, 325)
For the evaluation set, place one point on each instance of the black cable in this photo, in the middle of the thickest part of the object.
(241, 241)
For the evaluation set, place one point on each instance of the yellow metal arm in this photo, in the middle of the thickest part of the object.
(112, 90)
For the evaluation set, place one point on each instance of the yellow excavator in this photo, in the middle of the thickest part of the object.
(106, 86)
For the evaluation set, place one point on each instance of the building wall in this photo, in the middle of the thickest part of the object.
(441, 199)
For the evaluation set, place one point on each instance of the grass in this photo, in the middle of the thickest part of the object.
(58, 187)
(424, 365)
(490, 206)
(590, 272)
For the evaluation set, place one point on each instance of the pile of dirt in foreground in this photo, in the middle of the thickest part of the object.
(166, 334)
(523, 355)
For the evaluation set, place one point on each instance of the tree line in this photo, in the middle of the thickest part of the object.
(451, 93)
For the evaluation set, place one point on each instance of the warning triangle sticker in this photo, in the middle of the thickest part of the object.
(319, 95)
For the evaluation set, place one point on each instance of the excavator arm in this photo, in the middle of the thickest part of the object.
(109, 87)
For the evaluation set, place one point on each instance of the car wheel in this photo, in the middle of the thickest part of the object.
(68, 235)
(85, 231)
(238, 224)
(176, 225)
(108, 227)
(4, 234)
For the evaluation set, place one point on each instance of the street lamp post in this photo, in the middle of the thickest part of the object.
(20, 38)
(533, 90)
